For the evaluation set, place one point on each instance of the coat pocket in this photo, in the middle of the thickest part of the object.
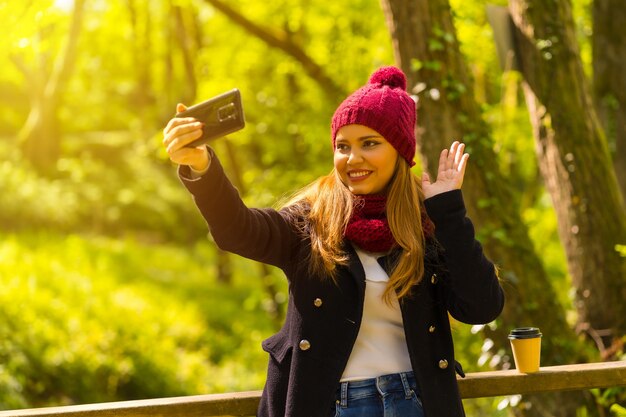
(277, 346)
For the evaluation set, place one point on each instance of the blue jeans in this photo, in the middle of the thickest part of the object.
(394, 395)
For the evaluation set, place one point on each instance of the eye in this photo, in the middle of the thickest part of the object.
(370, 143)
(341, 147)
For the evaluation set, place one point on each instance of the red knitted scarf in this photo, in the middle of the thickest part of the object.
(368, 227)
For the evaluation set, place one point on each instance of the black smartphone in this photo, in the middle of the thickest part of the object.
(221, 115)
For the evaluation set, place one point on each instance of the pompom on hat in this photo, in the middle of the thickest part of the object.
(383, 105)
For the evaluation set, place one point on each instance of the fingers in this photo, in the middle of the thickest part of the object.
(443, 161)
(452, 153)
(458, 154)
(455, 159)
(450, 158)
(463, 165)
(177, 121)
(180, 133)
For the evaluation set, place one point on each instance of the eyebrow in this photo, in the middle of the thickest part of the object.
(361, 138)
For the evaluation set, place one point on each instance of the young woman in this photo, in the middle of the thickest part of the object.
(375, 259)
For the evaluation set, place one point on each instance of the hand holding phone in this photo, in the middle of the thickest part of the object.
(221, 115)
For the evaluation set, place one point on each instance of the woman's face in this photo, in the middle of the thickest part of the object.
(364, 160)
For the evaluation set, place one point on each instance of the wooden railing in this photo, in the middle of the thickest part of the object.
(479, 384)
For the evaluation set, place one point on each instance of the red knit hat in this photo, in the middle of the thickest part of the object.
(383, 105)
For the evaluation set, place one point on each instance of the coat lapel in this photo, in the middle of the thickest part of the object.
(389, 261)
(355, 267)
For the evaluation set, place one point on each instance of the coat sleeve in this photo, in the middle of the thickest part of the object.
(473, 291)
(264, 235)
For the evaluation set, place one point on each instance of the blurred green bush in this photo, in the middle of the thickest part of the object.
(91, 319)
(107, 188)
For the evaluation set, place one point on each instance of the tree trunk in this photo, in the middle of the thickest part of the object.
(188, 51)
(143, 99)
(575, 163)
(426, 48)
(168, 62)
(40, 137)
(609, 78)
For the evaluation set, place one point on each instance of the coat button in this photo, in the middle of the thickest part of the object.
(433, 279)
(432, 329)
(443, 364)
(304, 344)
(317, 302)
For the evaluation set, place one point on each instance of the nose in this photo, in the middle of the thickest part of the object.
(354, 157)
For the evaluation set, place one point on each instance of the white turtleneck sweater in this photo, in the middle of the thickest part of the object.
(380, 346)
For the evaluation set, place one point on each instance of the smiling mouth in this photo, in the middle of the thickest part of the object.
(358, 175)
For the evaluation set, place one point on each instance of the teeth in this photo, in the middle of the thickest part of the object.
(358, 174)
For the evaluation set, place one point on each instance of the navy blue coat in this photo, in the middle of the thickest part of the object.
(308, 355)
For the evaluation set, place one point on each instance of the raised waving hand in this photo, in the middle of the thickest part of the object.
(450, 172)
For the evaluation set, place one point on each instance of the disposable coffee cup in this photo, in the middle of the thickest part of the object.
(526, 345)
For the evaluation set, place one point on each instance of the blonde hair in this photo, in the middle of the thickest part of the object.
(324, 208)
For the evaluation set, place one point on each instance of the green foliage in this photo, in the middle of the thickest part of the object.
(88, 319)
(89, 313)
(475, 353)
(618, 410)
(140, 196)
(477, 44)
(542, 224)
(613, 399)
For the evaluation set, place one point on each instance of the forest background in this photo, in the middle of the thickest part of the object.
(111, 288)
